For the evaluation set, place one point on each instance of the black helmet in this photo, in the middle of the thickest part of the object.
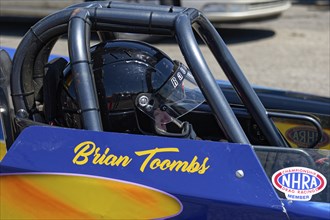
(136, 82)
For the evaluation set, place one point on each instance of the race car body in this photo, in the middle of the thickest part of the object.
(120, 131)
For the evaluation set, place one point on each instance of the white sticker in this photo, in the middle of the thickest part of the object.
(299, 183)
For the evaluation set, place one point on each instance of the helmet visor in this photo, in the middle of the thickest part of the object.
(179, 95)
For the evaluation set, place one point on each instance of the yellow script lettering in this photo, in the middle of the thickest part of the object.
(152, 153)
(184, 166)
(83, 150)
(86, 149)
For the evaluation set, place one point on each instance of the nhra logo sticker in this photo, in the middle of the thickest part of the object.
(299, 183)
(304, 136)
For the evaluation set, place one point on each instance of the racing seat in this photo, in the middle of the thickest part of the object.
(52, 78)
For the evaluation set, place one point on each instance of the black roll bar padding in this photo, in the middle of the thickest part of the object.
(238, 80)
(130, 6)
(118, 17)
(161, 23)
(23, 62)
(38, 70)
(79, 45)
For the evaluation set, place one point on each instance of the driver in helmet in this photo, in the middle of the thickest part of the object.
(140, 90)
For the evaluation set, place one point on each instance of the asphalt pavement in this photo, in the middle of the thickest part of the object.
(291, 52)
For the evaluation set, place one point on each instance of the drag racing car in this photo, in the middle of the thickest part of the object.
(119, 130)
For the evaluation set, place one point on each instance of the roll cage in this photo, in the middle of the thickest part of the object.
(106, 17)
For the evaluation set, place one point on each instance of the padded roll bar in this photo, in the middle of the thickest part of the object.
(148, 19)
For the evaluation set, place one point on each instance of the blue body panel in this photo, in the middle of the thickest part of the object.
(307, 210)
(210, 188)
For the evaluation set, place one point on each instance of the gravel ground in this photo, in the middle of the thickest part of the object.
(291, 52)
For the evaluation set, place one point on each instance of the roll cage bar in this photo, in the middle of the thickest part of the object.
(106, 17)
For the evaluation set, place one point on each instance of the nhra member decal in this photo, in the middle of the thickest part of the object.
(304, 136)
(88, 152)
(299, 183)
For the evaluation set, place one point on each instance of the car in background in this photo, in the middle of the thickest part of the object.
(217, 11)
(238, 10)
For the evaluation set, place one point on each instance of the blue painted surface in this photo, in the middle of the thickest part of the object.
(10, 51)
(307, 210)
(47, 149)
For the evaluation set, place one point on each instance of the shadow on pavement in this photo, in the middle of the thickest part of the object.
(231, 35)
(241, 35)
(15, 27)
(312, 2)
